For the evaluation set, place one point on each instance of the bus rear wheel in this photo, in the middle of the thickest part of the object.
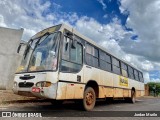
(133, 97)
(89, 99)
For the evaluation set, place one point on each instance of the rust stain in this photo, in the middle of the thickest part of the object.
(79, 89)
(61, 92)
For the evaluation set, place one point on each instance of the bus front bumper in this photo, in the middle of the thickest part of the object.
(23, 91)
(45, 92)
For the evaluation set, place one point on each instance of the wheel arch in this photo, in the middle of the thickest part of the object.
(94, 85)
(133, 89)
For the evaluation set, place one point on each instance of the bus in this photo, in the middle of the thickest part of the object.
(59, 63)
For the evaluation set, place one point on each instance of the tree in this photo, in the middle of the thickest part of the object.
(154, 87)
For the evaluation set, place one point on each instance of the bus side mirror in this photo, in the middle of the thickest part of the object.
(19, 47)
(74, 43)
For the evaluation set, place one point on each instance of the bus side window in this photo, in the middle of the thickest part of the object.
(136, 75)
(76, 54)
(141, 77)
(105, 61)
(116, 66)
(89, 52)
(95, 57)
(124, 69)
(130, 71)
(92, 56)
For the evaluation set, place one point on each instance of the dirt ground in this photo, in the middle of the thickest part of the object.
(7, 96)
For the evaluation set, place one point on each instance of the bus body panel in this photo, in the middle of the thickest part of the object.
(106, 78)
(91, 73)
(69, 91)
(109, 91)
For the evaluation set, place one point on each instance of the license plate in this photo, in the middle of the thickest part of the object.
(37, 90)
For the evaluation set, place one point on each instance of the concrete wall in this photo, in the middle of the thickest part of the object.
(9, 58)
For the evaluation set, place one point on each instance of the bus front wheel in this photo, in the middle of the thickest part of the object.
(89, 99)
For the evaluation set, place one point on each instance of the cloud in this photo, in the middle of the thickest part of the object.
(144, 17)
(36, 15)
(26, 14)
(2, 23)
(110, 36)
(102, 3)
(146, 77)
(33, 16)
(118, 41)
(105, 16)
(155, 75)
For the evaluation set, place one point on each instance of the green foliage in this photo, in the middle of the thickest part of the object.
(154, 87)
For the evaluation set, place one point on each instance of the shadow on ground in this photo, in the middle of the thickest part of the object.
(66, 105)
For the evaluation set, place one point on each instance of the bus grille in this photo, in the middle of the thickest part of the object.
(26, 84)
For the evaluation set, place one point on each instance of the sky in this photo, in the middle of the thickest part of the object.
(129, 29)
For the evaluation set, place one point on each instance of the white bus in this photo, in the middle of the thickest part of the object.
(59, 63)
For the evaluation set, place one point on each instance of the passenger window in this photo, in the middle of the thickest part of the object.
(136, 75)
(105, 61)
(95, 52)
(116, 66)
(92, 56)
(89, 49)
(102, 55)
(95, 57)
(79, 53)
(73, 55)
(108, 58)
(124, 69)
(115, 62)
(130, 71)
(141, 77)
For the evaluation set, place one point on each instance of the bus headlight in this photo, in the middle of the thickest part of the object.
(15, 84)
(43, 84)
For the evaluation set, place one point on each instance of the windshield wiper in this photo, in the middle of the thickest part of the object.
(31, 41)
(47, 33)
(27, 48)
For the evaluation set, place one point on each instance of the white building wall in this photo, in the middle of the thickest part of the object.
(9, 58)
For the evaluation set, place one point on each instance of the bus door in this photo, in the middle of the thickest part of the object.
(71, 72)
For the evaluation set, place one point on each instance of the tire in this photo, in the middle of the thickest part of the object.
(89, 99)
(131, 99)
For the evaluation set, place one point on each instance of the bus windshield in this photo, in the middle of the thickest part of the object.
(41, 54)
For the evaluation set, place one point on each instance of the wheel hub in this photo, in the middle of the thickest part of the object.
(89, 98)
